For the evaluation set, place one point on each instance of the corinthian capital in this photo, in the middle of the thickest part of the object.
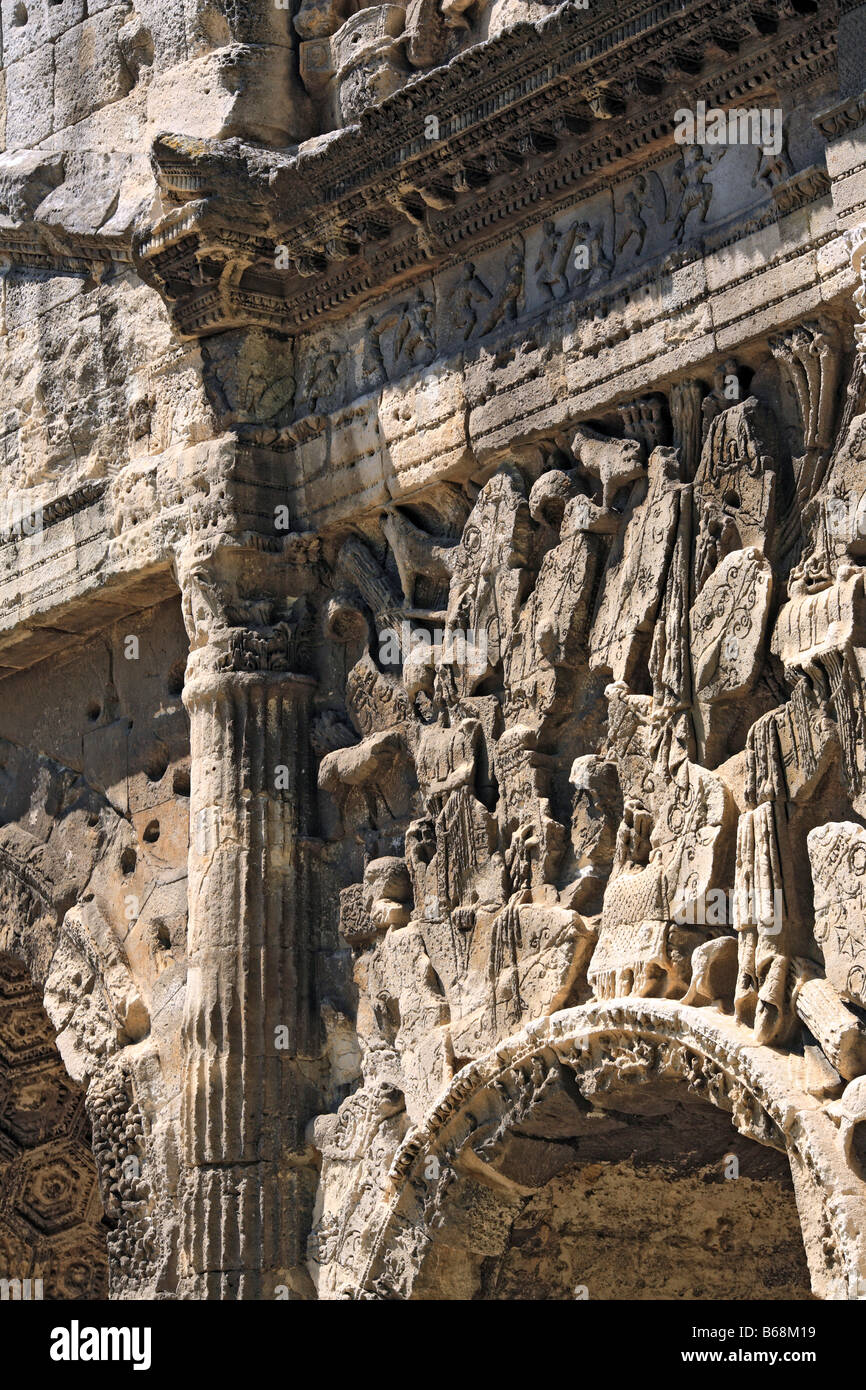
(244, 607)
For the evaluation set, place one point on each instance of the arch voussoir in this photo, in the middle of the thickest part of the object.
(598, 1053)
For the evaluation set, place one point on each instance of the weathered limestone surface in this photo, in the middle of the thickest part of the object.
(432, 650)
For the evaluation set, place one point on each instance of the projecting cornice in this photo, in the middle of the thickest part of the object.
(49, 220)
(525, 120)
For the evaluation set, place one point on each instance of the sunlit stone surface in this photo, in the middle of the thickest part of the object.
(432, 650)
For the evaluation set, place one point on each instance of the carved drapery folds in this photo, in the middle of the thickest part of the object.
(629, 694)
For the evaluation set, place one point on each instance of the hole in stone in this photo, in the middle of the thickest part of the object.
(94, 710)
(858, 1149)
(19, 16)
(156, 763)
(731, 498)
(181, 781)
(163, 935)
(175, 678)
(128, 861)
(151, 832)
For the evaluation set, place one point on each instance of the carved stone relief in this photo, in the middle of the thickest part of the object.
(673, 863)
(432, 646)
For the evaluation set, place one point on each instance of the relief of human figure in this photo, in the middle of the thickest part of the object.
(588, 254)
(553, 259)
(690, 172)
(773, 167)
(413, 334)
(632, 224)
(507, 306)
(468, 295)
(373, 369)
(324, 376)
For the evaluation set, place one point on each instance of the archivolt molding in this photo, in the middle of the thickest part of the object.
(609, 1048)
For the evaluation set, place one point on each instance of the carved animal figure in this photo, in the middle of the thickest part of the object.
(612, 462)
(714, 973)
(416, 553)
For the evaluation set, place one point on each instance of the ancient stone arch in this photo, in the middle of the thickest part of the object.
(433, 610)
(535, 1085)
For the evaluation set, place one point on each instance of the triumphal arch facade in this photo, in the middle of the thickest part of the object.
(433, 649)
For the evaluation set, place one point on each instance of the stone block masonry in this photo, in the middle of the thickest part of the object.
(432, 650)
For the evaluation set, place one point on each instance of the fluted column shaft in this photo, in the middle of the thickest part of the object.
(247, 981)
